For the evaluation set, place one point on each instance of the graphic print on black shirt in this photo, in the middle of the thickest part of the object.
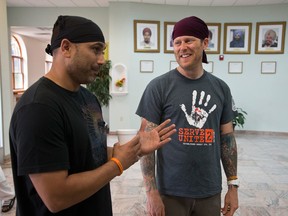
(199, 114)
(97, 132)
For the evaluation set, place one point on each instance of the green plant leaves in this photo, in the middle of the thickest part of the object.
(100, 86)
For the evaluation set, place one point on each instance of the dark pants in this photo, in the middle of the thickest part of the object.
(180, 206)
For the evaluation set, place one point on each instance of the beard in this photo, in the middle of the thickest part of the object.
(82, 71)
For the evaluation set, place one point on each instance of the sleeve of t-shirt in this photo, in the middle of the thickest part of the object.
(227, 114)
(150, 106)
(40, 140)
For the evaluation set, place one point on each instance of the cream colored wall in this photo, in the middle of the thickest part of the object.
(263, 96)
(36, 57)
(253, 91)
(6, 87)
(35, 49)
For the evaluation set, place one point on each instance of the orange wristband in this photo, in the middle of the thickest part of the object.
(232, 178)
(118, 164)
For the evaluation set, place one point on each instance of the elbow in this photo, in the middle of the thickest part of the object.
(55, 205)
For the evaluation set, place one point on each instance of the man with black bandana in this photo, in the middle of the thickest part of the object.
(60, 160)
(188, 180)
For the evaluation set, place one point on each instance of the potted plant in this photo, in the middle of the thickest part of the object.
(239, 118)
(100, 86)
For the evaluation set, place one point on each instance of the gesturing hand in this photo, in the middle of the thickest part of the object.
(156, 138)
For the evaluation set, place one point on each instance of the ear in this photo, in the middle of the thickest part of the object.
(205, 43)
(66, 47)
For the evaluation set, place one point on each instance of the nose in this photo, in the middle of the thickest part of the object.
(183, 45)
(101, 60)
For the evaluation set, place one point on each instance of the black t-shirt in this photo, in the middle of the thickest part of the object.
(54, 129)
(189, 165)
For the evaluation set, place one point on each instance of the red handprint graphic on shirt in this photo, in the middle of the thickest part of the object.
(198, 115)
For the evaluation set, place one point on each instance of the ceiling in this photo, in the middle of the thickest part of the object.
(44, 33)
(105, 3)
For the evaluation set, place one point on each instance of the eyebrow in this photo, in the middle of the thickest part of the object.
(99, 44)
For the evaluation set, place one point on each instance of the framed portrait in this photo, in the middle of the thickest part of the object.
(235, 67)
(214, 38)
(268, 67)
(208, 67)
(146, 36)
(168, 42)
(237, 38)
(173, 65)
(270, 37)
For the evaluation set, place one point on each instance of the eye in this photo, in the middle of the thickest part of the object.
(189, 41)
(177, 43)
(98, 50)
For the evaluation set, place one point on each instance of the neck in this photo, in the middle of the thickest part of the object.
(194, 73)
(62, 81)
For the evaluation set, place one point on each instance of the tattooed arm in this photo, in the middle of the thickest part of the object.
(154, 203)
(229, 161)
(228, 151)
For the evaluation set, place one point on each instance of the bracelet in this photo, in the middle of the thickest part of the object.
(118, 164)
(232, 178)
(233, 186)
(233, 182)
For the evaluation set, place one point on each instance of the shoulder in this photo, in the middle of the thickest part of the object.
(216, 80)
(168, 76)
(161, 81)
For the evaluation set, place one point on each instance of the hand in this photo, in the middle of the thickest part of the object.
(230, 202)
(127, 153)
(156, 138)
(155, 206)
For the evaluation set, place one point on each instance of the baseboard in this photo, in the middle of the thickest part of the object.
(271, 133)
(7, 161)
(243, 132)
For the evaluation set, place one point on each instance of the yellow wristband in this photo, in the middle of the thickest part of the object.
(232, 178)
(118, 164)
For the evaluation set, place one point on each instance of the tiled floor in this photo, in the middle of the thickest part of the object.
(262, 167)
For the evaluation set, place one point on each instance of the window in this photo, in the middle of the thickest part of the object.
(17, 65)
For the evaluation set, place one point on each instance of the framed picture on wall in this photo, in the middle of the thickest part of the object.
(146, 36)
(168, 42)
(214, 38)
(237, 38)
(270, 37)
(173, 65)
(268, 67)
(235, 67)
(208, 67)
(146, 66)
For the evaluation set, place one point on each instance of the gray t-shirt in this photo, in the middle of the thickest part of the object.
(188, 166)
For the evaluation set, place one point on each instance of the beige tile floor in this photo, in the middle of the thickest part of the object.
(262, 167)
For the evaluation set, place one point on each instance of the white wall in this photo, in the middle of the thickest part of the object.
(262, 96)
(35, 49)
(5, 86)
(39, 17)
(35, 62)
(258, 94)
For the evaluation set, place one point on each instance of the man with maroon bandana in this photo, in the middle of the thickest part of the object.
(189, 181)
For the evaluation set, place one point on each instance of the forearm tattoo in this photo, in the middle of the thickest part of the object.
(148, 165)
(229, 154)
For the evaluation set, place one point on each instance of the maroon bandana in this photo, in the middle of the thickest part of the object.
(191, 26)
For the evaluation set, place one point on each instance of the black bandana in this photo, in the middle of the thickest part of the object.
(75, 29)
